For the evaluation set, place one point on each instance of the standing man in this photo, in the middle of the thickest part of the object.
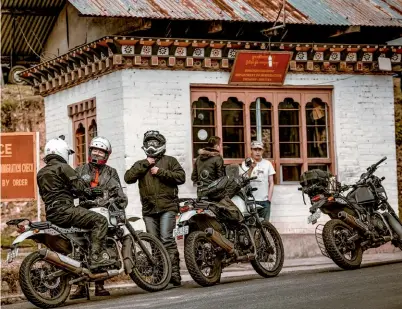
(158, 178)
(99, 175)
(209, 165)
(265, 172)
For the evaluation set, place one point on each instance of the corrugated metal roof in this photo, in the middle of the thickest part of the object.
(30, 31)
(229, 10)
(319, 12)
(352, 12)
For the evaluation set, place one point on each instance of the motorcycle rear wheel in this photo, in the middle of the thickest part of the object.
(334, 235)
(196, 256)
(34, 284)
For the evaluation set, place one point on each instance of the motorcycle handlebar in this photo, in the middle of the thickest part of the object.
(370, 170)
(379, 162)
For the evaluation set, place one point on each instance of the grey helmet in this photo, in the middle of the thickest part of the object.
(154, 144)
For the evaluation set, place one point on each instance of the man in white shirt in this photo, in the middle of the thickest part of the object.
(264, 170)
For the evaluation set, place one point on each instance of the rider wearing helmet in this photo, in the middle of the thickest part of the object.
(58, 186)
(158, 177)
(100, 175)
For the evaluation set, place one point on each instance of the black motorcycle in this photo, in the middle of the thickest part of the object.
(224, 228)
(46, 276)
(360, 219)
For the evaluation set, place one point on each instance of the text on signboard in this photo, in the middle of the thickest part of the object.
(5, 150)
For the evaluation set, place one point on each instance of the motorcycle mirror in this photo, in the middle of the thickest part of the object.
(232, 170)
(248, 162)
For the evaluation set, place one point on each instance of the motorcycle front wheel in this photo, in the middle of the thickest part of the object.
(269, 260)
(151, 277)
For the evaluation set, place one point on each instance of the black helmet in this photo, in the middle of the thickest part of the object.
(154, 144)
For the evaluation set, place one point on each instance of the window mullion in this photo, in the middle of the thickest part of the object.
(218, 119)
(247, 129)
(275, 123)
(303, 139)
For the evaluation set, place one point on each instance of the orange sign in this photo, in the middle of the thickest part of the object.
(18, 166)
(260, 68)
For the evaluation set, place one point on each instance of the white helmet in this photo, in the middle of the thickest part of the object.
(57, 147)
(101, 143)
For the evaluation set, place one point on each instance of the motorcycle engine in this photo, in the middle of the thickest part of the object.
(244, 239)
(112, 249)
(379, 225)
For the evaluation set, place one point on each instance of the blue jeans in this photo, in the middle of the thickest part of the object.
(266, 211)
(161, 226)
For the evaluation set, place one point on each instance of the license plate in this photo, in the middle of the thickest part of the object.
(11, 255)
(180, 231)
(314, 217)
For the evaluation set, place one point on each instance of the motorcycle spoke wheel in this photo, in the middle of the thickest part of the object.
(270, 256)
(345, 254)
(40, 283)
(202, 262)
(150, 276)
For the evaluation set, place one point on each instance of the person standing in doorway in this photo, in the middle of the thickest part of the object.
(209, 164)
(158, 178)
(264, 171)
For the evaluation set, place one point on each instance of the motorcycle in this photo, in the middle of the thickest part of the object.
(221, 231)
(360, 219)
(46, 276)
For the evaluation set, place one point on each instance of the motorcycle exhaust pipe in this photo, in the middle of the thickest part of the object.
(245, 258)
(61, 261)
(353, 222)
(74, 266)
(220, 240)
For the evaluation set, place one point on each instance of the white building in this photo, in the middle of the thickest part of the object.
(120, 87)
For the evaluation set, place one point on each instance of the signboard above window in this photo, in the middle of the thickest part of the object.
(260, 68)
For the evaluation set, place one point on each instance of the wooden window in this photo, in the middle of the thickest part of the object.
(295, 125)
(317, 128)
(233, 128)
(266, 125)
(203, 118)
(83, 115)
(80, 144)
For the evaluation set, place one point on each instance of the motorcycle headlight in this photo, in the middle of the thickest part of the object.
(252, 206)
(113, 221)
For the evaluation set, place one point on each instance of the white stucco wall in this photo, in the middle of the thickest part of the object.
(131, 102)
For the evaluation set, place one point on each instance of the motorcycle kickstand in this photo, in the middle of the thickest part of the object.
(87, 290)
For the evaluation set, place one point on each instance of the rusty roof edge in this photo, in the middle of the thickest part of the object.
(118, 37)
(309, 12)
(251, 22)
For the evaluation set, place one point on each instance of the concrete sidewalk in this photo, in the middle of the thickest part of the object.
(290, 266)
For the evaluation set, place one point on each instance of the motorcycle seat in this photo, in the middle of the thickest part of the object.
(70, 230)
(42, 225)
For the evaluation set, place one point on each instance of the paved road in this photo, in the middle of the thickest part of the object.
(377, 287)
